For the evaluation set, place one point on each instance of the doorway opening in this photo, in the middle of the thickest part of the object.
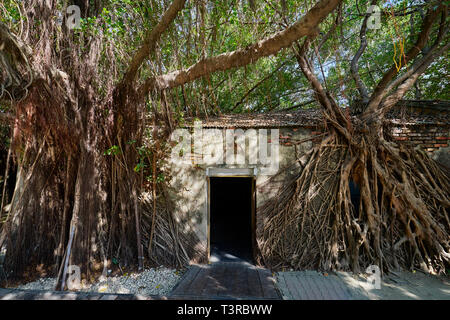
(232, 218)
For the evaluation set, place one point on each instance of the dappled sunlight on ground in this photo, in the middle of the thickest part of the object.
(347, 286)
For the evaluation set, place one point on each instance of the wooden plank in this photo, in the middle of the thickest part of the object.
(216, 285)
(20, 295)
(186, 280)
(229, 278)
(267, 284)
(197, 286)
(254, 283)
(240, 282)
(224, 281)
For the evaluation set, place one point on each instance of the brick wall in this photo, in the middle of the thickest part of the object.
(434, 138)
(431, 137)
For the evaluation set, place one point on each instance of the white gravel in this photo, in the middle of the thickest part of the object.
(155, 281)
(41, 284)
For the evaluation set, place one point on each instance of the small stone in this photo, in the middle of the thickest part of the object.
(154, 281)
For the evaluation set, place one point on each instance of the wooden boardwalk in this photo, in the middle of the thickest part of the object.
(226, 280)
(218, 281)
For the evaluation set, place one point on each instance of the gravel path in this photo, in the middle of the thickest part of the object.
(154, 281)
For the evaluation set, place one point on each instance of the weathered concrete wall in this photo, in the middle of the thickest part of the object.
(442, 155)
(289, 152)
(189, 181)
(189, 195)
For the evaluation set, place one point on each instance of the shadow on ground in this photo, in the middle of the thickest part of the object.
(312, 285)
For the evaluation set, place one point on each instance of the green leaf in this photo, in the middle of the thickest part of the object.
(139, 167)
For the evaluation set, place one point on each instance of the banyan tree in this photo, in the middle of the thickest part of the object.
(79, 101)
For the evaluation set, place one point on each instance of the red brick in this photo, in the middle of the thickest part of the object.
(440, 145)
(442, 138)
(401, 138)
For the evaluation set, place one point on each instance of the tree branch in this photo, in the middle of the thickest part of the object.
(333, 112)
(409, 81)
(354, 68)
(319, 91)
(333, 28)
(416, 64)
(258, 84)
(151, 39)
(422, 39)
(296, 106)
(241, 57)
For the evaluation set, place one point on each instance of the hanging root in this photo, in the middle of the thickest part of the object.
(400, 220)
(15, 70)
(171, 245)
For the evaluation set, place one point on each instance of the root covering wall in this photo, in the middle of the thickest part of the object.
(190, 181)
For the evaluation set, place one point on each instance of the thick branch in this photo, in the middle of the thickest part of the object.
(354, 64)
(333, 112)
(319, 91)
(330, 32)
(241, 57)
(409, 81)
(152, 38)
(416, 64)
(422, 39)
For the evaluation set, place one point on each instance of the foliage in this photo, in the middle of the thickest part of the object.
(82, 99)
(229, 25)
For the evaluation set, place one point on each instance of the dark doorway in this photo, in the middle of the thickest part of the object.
(231, 218)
